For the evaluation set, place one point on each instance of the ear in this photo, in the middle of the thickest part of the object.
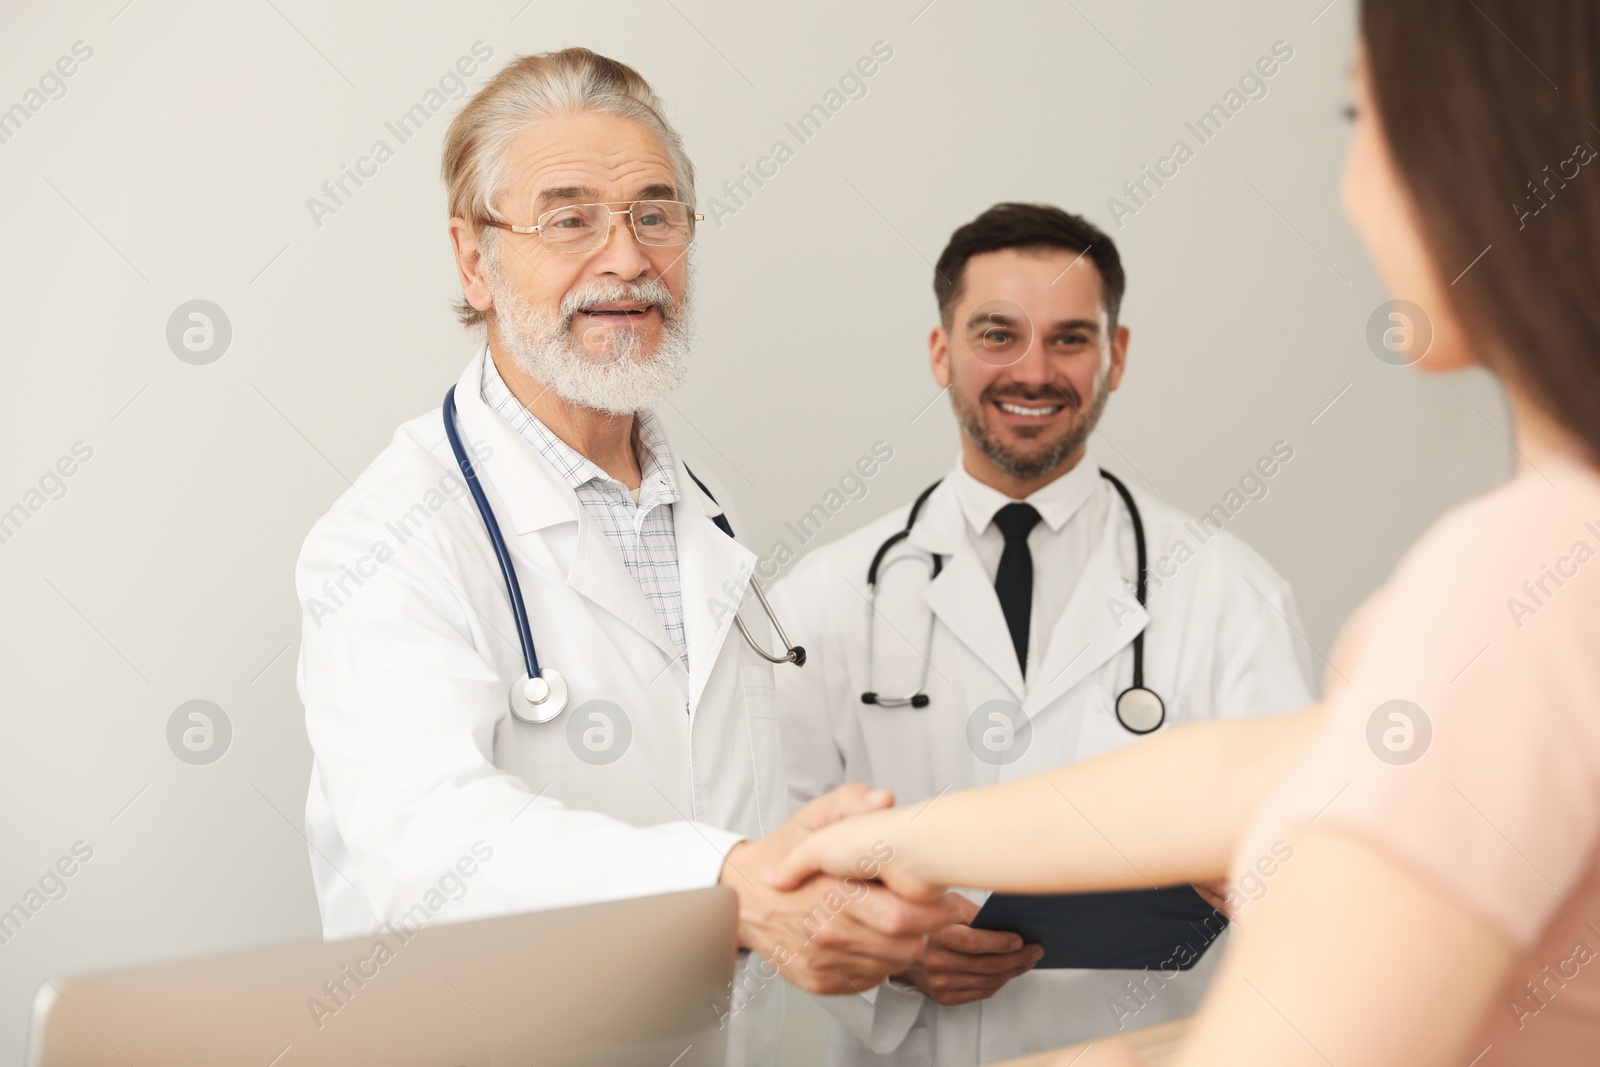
(1119, 358)
(939, 356)
(469, 264)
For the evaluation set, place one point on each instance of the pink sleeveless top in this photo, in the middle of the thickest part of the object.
(1463, 739)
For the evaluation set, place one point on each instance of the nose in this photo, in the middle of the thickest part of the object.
(622, 254)
(1034, 366)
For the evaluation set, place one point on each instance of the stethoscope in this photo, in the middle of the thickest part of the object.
(1139, 709)
(541, 693)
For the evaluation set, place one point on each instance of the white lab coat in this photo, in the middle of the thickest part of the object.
(1214, 648)
(405, 672)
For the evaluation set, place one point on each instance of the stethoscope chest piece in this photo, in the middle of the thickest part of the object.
(537, 700)
(1139, 710)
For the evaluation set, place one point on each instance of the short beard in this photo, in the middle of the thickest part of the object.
(619, 377)
(1027, 468)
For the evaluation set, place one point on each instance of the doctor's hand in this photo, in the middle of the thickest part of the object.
(828, 934)
(1216, 894)
(963, 965)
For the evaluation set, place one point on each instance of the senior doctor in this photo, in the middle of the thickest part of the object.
(572, 209)
(1006, 623)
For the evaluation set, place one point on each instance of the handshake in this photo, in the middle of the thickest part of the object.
(846, 932)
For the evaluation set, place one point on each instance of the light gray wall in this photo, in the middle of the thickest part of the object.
(178, 165)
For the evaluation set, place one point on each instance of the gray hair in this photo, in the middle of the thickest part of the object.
(527, 91)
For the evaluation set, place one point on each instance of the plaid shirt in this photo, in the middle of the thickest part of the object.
(642, 534)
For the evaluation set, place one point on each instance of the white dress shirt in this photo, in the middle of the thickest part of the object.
(1059, 547)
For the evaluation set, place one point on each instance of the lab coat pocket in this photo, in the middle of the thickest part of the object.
(765, 741)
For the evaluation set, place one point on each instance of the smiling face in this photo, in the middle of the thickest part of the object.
(1030, 356)
(605, 329)
(591, 159)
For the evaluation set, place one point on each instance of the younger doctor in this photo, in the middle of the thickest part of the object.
(572, 209)
(1012, 657)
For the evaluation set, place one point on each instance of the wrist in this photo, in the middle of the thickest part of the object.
(731, 872)
(905, 842)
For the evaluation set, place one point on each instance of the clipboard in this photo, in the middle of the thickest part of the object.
(1162, 929)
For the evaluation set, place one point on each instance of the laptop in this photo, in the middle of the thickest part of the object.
(639, 981)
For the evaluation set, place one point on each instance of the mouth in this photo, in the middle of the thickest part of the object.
(628, 311)
(1030, 412)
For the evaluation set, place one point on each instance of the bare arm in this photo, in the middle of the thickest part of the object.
(1349, 933)
(1350, 958)
(1165, 810)
(1156, 1046)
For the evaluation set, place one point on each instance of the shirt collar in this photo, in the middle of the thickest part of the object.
(658, 482)
(659, 479)
(1056, 502)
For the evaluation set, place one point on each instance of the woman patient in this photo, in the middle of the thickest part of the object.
(1421, 846)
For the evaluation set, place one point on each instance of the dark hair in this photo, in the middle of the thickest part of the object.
(1027, 226)
(1484, 106)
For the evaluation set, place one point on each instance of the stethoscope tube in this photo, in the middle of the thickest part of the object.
(1139, 580)
(795, 654)
(530, 658)
(1139, 709)
(538, 696)
(918, 697)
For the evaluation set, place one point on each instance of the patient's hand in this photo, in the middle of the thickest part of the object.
(837, 849)
(962, 965)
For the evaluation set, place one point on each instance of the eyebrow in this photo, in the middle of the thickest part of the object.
(995, 318)
(1084, 325)
(989, 318)
(588, 194)
(566, 194)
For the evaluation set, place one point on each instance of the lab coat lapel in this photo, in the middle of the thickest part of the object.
(1102, 617)
(599, 574)
(529, 496)
(962, 597)
(715, 573)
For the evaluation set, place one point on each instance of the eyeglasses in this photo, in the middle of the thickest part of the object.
(586, 227)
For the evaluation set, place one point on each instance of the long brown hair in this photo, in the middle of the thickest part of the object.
(1492, 114)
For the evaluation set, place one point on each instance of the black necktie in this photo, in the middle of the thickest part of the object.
(1013, 581)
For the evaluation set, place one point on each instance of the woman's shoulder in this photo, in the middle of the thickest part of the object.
(1521, 561)
(1540, 529)
(1461, 735)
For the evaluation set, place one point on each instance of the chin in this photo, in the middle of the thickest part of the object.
(1448, 352)
(1029, 439)
(617, 346)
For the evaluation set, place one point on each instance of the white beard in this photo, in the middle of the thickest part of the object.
(614, 374)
